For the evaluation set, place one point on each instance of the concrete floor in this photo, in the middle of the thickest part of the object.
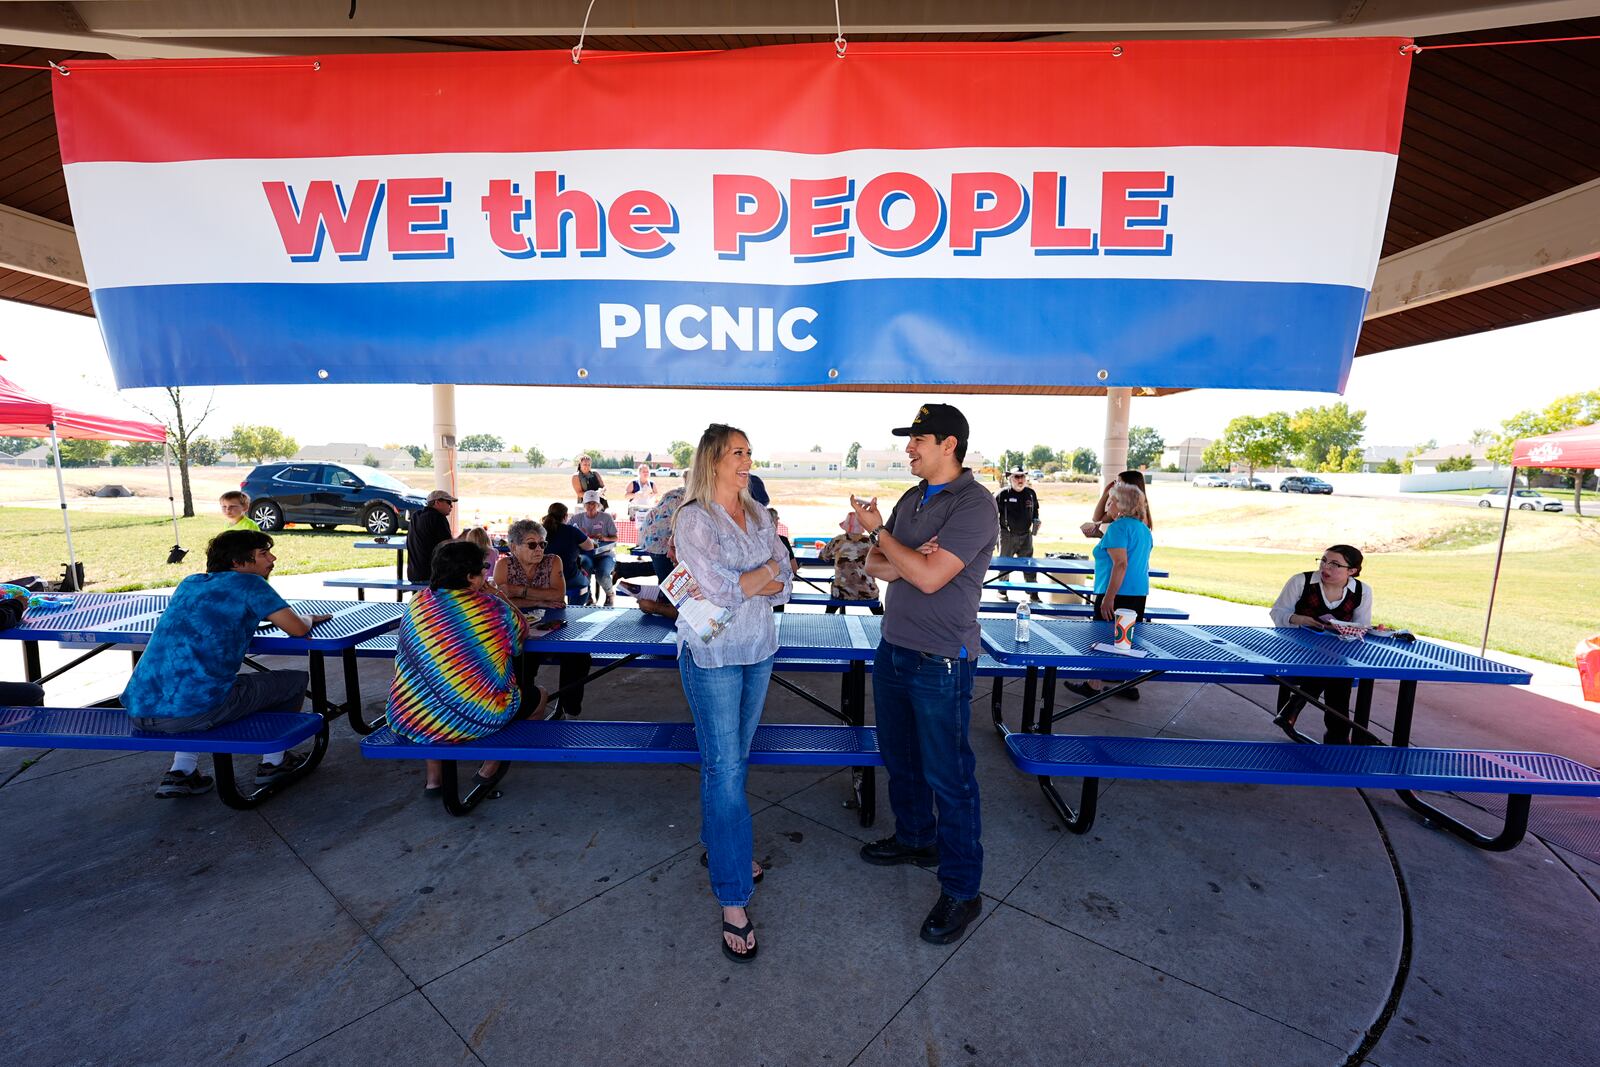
(349, 921)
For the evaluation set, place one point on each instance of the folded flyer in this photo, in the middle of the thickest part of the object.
(1104, 646)
(704, 618)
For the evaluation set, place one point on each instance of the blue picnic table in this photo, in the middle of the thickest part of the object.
(1228, 654)
(112, 620)
(393, 544)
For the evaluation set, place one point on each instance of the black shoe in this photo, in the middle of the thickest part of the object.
(1129, 694)
(177, 784)
(1080, 688)
(949, 918)
(1286, 724)
(889, 851)
(271, 772)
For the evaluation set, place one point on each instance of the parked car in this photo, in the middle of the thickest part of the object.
(1525, 500)
(325, 495)
(1240, 481)
(1210, 481)
(1304, 483)
(1036, 475)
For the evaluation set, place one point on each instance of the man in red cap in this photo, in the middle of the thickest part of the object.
(933, 552)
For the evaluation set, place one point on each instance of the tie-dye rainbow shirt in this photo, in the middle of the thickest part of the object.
(453, 678)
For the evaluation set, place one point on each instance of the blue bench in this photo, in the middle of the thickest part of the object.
(111, 729)
(1083, 591)
(560, 741)
(824, 600)
(1076, 611)
(1518, 775)
(399, 586)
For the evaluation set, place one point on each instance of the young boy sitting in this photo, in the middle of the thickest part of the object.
(188, 680)
(235, 508)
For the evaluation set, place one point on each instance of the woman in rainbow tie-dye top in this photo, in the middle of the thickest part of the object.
(453, 677)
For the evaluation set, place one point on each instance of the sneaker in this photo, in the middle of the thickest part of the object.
(1130, 694)
(178, 784)
(889, 851)
(949, 918)
(270, 772)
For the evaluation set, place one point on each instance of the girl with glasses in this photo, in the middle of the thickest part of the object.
(1316, 599)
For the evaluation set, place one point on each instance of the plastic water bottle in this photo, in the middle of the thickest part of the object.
(1024, 619)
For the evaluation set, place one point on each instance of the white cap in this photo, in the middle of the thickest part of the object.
(592, 497)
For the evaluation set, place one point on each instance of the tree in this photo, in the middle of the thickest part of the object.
(1010, 460)
(137, 454)
(12, 445)
(852, 458)
(1416, 450)
(1341, 462)
(1453, 463)
(816, 448)
(1480, 438)
(1145, 446)
(205, 451)
(83, 453)
(1039, 455)
(1316, 432)
(1563, 413)
(183, 427)
(482, 442)
(682, 453)
(1084, 461)
(533, 455)
(260, 443)
(1254, 440)
(1389, 466)
(421, 456)
(594, 454)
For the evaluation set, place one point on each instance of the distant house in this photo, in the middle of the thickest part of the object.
(37, 456)
(1377, 455)
(888, 461)
(818, 463)
(1185, 455)
(1427, 462)
(613, 457)
(493, 459)
(360, 454)
(975, 459)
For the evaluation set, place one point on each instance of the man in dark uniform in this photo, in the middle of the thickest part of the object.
(430, 528)
(1018, 505)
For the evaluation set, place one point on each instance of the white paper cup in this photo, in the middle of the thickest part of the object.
(1123, 620)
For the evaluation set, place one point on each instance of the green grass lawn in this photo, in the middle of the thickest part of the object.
(1545, 603)
(130, 552)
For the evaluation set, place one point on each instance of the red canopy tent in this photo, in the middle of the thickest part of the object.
(1577, 448)
(24, 415)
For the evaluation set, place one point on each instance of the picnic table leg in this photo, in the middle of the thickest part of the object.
(352, 696)
(319, 684)
(995, 704)
(1081, 820)
(32, 669)
(454, 802)
(1517, 804)
(1030, 693)
(1364, 713)
(228, 784)
(864, 780)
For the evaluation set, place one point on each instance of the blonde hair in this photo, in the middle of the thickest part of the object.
(1130, 502)
(701, 484)
(478, 536)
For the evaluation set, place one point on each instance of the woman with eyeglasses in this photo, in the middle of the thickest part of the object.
(532, 578)
(1121, 566)
(1316, 600)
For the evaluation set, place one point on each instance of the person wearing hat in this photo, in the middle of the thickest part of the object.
(598, 526)
(430, 528)
(1018, 505)
(933, 551)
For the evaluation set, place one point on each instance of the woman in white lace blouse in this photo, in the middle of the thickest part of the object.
(731, 547)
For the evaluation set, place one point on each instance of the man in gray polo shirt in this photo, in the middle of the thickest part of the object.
(933, 550)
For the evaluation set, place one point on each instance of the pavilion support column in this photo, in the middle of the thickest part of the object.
(1114, 453)
(444, 445)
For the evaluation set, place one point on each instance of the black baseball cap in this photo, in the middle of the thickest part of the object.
(941, 420)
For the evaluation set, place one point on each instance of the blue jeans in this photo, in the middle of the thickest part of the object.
(662, 564)
(923, 704)
(726, 704)
(601, 564)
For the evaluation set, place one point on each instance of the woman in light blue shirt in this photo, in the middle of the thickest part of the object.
(1121, 565)
(731, 547)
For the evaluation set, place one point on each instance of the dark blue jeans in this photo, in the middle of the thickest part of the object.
(924, 707)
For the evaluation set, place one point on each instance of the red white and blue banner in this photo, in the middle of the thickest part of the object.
(1159, 214)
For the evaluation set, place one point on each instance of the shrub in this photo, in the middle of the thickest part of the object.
(1454, 463)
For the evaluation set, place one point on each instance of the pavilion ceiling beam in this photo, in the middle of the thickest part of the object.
(40, 246)
(461, 18)
(1546, 235)
(1433, 18)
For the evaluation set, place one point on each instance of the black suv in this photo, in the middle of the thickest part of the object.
(1305, 484)
(326, 495)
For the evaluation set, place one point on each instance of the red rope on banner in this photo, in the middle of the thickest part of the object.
(21, 66)
(1420, 48)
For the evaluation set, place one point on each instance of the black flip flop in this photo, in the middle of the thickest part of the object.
(705, 861)
(433, 791)
(742, 933)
